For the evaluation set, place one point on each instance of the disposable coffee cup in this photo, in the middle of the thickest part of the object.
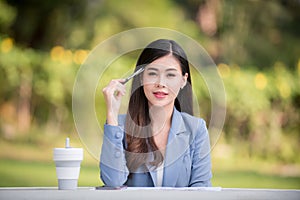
(67, 161)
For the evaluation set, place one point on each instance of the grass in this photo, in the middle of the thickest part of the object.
(252, 179)
(24, 165)
(16, 173)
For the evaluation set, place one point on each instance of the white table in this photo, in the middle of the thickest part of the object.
(147, 193)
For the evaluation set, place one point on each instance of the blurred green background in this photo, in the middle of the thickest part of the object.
(254, 43)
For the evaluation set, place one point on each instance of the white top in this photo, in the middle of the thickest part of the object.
(160, 175)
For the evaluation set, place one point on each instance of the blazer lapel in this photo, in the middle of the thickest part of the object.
(152, 171)
(178, 142)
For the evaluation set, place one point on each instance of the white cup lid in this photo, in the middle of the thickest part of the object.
(67, 154)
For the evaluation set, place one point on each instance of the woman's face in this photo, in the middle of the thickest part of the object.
(162, 80)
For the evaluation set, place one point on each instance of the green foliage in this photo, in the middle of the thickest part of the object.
(254, 44)
(261, 114)
(7, 15)
(256, 32)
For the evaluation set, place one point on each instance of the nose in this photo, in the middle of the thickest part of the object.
(161, 82)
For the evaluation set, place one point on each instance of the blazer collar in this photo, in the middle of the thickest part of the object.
(177, 125)
(176, 146)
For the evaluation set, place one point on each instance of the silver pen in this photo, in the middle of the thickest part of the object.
(133, 75)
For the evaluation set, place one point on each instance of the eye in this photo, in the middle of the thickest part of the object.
(152, 74)
(171, 75)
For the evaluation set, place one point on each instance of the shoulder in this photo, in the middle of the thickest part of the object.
(196, 127)
(184, 122)
(199, 136)
(192, 121)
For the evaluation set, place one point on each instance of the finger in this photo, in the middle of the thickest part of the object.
(118, 87)
(113, 86)
(116, 81)
(121, 88)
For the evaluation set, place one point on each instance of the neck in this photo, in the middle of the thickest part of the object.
(160, 118)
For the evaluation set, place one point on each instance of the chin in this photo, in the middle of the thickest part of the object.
(161, 103)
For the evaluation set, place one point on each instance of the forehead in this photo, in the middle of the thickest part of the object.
(166, 62)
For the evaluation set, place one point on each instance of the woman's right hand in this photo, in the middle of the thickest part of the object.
(113, 94)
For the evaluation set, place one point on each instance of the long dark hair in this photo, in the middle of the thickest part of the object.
(140, 142)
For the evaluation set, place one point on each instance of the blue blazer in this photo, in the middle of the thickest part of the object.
(187, 160)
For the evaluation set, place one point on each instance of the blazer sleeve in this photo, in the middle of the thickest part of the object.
(201, 161)
(113, 168)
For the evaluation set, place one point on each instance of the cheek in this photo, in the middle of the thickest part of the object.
(147, 90)
(174, 87)
(149, 80)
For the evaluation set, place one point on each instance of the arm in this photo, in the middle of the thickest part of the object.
(113, 94)
(113, 167)
(201, 161)
(114, 171)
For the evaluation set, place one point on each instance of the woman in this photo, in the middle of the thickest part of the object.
(158, 142)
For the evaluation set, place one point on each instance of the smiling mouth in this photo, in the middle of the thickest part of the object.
(160, 94)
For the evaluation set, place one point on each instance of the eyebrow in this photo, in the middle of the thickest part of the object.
(155, 69)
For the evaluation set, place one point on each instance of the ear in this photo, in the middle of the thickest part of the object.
(184, 80)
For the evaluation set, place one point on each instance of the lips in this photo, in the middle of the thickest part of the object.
(160, 94)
